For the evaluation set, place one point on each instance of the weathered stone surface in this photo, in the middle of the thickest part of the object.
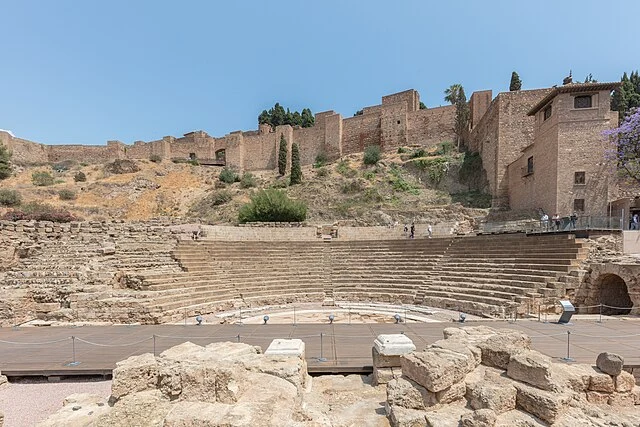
(382, 361)
(406, 393)
(437, 368)
(286, 347)
(1, 418)
(498, 349)
(479, 418)
(146, 408)
(543, 404)
(384, 375)
(451, 394)
(134, 374)
(621, 399)
(404, 417)
(601, 382)
(624, 382)
(598, 398)
(610, 363)
(497, 397)
(78, 410)
(532, 368)
(393, 344)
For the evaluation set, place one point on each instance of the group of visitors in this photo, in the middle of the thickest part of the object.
(412, 230)
(556, 222)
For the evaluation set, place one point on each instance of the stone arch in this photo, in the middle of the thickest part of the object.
(612, 291)
(221, 154)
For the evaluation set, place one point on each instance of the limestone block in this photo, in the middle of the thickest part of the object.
(610, 363)
(393, 344)
(471, 351)
(404, 417)
(479, 418)
(134, 374)
(1, 418)
(601, 382)
(286, 347)
(3, 381)
(499, 398)
(192, 414)
(404, 393)
(437, 368)
(498, 349)
(451, 394)
(381, 361)
(624, 382)
(622, 399)
(540, 403)
(384, 375)
(598, 398)
(532, 368)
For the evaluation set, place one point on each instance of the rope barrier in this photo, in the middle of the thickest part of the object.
(606, 336)
(114, 345)
(195, 338)
(35, 343)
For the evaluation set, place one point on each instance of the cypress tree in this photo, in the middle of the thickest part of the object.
(282, 156)
(296, 170)
(462, 115)
(5, 166)
(516, 83)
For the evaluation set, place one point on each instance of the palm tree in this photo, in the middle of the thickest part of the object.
(453, 93)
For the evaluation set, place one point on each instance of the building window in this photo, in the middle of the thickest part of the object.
(546, 113)
(579, 178)
(583, 101)
(578, 205)
(530, 165)
(398, 121)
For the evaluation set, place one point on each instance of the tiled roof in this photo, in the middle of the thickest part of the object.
(572, 87)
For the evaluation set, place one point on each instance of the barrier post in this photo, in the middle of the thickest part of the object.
(600, 317)
(294, 315)
(349, 315)
(568, 358)
(321, 358)
(185, 317)
(154, 345)
(240, 317)
(73, 362)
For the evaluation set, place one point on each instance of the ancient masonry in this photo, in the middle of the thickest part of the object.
(541, 149)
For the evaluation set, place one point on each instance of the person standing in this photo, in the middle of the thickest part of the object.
(413, 231)
(429, 230)
(544, 220)
(635, 222)
(574, 219)
(556, 221)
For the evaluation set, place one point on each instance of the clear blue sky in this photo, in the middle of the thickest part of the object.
(85, 72)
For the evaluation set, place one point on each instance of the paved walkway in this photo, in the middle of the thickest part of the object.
(50, 351)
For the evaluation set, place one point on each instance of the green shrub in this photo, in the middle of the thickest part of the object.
(372, 155)
(471, 171)
(248, 180)
(372, 195)
(402, 150)
(272, 206)
(322, 172)
(42, 179)
(444, 148)
(67, 195)
(353, 186)
(80, 177)
(204, 207)
(121, 166)
(420, 152)
(155, 158)
(398, 183)
(436, 167)
(9, 197)
(228, 175)
(321, 160)
(5, 164)
(280, 183)
(39, 212)
(369, 175)
(344, 169)
(63, 166)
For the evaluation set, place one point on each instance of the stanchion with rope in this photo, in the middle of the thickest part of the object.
(600, 317)
(568, 358)
(73, 362)
(321, 358)
(154, 345)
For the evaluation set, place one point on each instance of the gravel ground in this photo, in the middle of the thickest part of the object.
(28, 401)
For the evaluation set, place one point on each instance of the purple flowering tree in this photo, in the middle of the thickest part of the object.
(626, 146)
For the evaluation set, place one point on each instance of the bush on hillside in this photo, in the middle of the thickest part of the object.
(321, 160)
(121, 166)
(67, 195)
(9, 197)
(372, 155)
(296, 170)
(272, 206)
(5, 165)
(39, 212)
(248, 180)
(203, 207)
(42, 179)
(155, 158)
(63, 166)
(80, 177)
(228, 175)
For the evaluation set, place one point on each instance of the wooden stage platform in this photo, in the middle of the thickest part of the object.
(94, 350)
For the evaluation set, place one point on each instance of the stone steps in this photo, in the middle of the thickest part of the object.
(462, 296)
(477, 308)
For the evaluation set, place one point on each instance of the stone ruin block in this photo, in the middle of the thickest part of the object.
(533, 368)
(437, 368)
(499, 398)
(386, 353)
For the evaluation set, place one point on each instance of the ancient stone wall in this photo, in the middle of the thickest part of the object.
(360, 132)
(24, 152)
(431, 126)
(483, 139)
(478, 106)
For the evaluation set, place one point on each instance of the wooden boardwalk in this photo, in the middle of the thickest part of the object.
(52, 351)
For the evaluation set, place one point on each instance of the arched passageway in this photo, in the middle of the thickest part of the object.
(614, 295)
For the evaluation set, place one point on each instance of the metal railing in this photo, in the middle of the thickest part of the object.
(584, 222)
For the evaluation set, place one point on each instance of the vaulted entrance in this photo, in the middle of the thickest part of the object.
(614, 295)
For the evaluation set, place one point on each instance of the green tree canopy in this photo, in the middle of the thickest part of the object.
(278, 116)
(516, 83)
(462, 116)
(453, 93)
(282, 156)
(296, 170)
(627, 96)
(5, 162)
